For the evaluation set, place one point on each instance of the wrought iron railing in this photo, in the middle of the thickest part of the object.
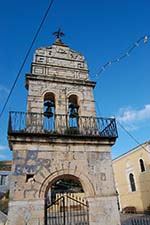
(20, 122)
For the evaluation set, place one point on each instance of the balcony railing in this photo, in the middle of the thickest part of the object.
(36, 123)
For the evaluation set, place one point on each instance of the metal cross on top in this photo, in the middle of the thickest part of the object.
(58, 34)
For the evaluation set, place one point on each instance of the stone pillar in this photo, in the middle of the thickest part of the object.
(26, 212)
(103, 211)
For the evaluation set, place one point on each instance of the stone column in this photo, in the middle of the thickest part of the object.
(26, 212)
(103, 211)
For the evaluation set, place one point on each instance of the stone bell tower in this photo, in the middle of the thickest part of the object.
(60, 137)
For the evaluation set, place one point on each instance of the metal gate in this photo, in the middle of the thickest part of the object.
(67, 210)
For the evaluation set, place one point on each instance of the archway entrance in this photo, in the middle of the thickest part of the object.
(65, 203)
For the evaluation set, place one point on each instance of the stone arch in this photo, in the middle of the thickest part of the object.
(84, 180)
(73, 110)
(45, 91)
(44, 95)
(78, 97)
(77, 93)
(74, 98)
(49, 105)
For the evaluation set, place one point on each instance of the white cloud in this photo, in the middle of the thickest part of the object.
(2, 157)
(3, 147)
(132, 115)
(4, 89)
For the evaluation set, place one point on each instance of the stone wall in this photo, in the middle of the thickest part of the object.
(89, 162)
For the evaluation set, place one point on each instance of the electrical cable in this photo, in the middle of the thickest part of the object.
(26, 56)
(143, 39)
(131, 136)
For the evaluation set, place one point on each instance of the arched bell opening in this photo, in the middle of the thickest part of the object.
(49, 111)
(73, 111)
(65, 202)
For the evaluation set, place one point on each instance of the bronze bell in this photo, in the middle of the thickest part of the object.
(73, 110)
(48, 112)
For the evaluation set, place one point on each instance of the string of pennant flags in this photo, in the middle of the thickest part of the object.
(141, 40)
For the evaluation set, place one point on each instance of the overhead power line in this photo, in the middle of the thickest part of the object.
(131, 136)
(27, 55)
(127, 53)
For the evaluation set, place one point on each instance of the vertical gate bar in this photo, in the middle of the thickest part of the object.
(73, 207)
(66, 204)
(85, 213)
(145, 222)
(70, 208)
(133, 222)
(60, 213)
(138, 222)
(57, 208)
(60, 217)
(49, 216)
(70, 211)
(76, 211)
(61, 210)
(82, 211)
(64, 213)
(73, 217)
(45, 212)
(80, 208)
(55, 213)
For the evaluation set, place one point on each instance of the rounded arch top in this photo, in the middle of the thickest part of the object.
(142, 165)
(73, 98)
(83, 179)
(48, 95)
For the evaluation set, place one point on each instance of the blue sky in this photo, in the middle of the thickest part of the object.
(101, 30)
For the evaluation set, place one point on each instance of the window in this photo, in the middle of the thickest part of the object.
(132, 182)
(49, 105)
(73, 111)
(3, 179)
(49, 111)
(142, 166)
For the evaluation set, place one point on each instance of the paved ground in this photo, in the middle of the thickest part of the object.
(126, 218)
(3, 218)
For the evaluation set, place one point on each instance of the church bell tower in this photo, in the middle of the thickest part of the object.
(62, 168)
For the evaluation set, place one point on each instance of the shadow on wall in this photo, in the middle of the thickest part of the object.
(144, 185)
